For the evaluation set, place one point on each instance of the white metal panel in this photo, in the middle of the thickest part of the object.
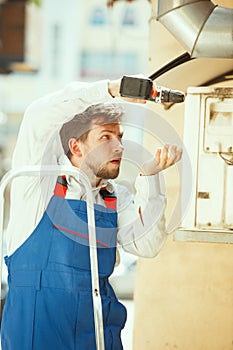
(208, 140)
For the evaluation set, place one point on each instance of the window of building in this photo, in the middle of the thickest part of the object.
(108, 65)
(98, 16)
(129, 16)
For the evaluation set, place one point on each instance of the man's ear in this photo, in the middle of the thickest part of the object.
(74, 146)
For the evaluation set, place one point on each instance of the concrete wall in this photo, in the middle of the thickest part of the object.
(184, 296)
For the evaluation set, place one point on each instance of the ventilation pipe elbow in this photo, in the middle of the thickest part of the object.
(202, 28)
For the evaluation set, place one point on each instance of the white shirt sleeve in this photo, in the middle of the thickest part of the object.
(45, 116)
(141, 222)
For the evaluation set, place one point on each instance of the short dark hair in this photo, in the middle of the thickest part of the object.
(80, 125)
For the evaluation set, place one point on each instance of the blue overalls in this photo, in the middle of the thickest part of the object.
(49, 302)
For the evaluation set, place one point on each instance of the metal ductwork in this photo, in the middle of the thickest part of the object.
(203, 28)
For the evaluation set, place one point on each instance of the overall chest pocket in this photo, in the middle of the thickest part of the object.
(75, 253)
(66, 251)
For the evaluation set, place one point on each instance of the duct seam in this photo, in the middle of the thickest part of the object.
(201, 28)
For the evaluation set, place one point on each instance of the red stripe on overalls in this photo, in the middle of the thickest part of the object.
(79, 235)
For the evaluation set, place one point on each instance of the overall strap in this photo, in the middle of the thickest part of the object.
(61, 187)
(108, 197)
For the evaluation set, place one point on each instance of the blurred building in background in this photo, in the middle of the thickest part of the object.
(44, 47)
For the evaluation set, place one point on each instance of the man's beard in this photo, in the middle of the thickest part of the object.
(101, 171)
(105, 173)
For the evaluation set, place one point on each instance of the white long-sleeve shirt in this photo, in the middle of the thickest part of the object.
(39, 143)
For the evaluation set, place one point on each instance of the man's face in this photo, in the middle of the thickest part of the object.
(102, 151)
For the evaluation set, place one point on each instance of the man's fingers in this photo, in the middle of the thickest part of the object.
(163, 159)
(168, 156)
(134, 100)
(171, 156)
(158, 155)
(178, 155)
(175, 155)
(164, 156)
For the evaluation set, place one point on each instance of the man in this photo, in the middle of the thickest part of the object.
(49, 303)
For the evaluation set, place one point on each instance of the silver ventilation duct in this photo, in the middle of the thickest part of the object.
(204, 29)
